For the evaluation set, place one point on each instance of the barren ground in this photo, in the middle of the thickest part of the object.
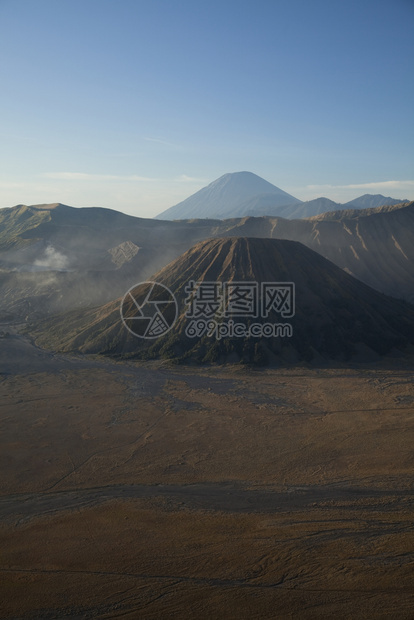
(148, 491)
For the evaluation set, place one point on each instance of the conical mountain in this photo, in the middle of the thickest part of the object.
(223, 197)
(370, 201)
(335, 316)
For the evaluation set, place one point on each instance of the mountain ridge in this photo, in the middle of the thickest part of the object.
(368, 201)
(238, 194)
(336, 316)
(73, 251)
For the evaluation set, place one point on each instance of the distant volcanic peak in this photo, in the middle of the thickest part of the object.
(223, 197)
(374, 200)
(322, 200)
(240, 176)
(250, 182)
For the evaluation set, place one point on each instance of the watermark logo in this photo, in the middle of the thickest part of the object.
(240, 299)
(149, 310)
(213, 306)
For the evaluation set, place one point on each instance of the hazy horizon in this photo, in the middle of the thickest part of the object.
(135, 106)
(130, 211)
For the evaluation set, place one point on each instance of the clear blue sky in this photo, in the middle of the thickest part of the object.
(134, 104)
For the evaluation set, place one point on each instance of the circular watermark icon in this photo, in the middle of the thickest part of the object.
(149, 310)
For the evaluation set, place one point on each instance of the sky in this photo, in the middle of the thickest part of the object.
(135, 105)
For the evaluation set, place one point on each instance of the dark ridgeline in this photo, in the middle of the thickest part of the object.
(54, 258)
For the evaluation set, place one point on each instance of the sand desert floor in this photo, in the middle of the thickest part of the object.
(153, 491)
